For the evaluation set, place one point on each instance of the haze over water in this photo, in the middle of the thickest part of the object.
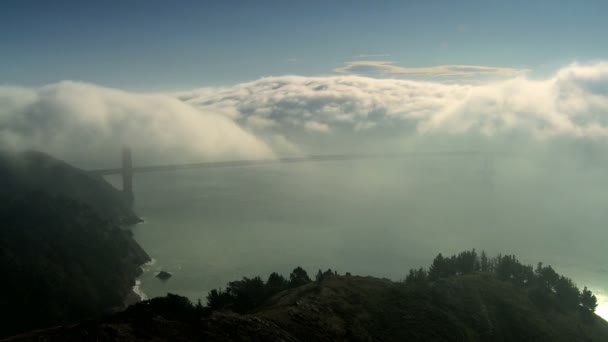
(380, 218)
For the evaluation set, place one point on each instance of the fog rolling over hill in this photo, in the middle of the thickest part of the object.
(497, 111)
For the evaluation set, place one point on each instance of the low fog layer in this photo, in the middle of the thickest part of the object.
(288, 115)
(87, 124)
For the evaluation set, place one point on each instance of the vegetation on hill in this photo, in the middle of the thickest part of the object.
(545, 286)
(444, 303)
(248, 293)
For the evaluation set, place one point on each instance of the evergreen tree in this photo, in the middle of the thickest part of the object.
(419, 276)
(439, 268)
(588, 300)
(328, 274)
(246, 293)
(547, 277)
(276, 283)
(199, 309)
(546, 287)
(298, 277)
(219, 299)
(568, 294)
(319, 276)
(484, 265)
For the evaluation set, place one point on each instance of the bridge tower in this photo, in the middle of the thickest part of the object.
(127, 174)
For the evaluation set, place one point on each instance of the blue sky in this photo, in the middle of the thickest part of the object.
(168, 45)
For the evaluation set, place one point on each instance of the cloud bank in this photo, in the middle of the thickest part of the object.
(571, 102)
(295, 114)
(88, 124)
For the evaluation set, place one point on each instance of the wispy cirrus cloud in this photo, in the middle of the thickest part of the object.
(384, 68)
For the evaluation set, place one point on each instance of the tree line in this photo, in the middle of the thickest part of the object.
(248, 293)
(544, 284)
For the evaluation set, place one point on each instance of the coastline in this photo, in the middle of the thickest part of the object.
(136, 294)
(136, 290)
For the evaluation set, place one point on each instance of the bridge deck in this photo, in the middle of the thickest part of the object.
(303, 159)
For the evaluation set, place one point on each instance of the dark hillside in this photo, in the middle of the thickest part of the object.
(36, 171)
(63, 255)
(472, 307)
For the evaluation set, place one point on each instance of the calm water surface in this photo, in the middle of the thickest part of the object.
(208, 227)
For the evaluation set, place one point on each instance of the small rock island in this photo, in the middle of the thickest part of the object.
(163, 275)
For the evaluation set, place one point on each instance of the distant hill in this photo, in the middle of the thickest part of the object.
(36, 171)
(471, 307)
(63, 255)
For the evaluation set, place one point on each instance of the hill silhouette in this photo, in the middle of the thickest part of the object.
(471, 306)
(63, 255)
(30, 171)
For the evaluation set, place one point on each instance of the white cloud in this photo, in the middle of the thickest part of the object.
(315, 126)
(572, 102)
(283, 115)
(260, 122)
(389, 68)
(88, 124)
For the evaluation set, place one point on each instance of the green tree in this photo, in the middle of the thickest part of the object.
(329, 273)
(567, 293)
(484, 265)
(199, 309)
(546, 277)
(440, 268)
(246, 293)
(276, 280)
(466, 262)
(319, 276)
(418, 276)
(298, 277)
(588, 300)
(219, 299)
(275, 283)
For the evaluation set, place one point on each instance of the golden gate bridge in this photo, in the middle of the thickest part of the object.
(127, 170)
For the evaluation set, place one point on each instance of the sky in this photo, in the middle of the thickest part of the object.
(157, 45)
